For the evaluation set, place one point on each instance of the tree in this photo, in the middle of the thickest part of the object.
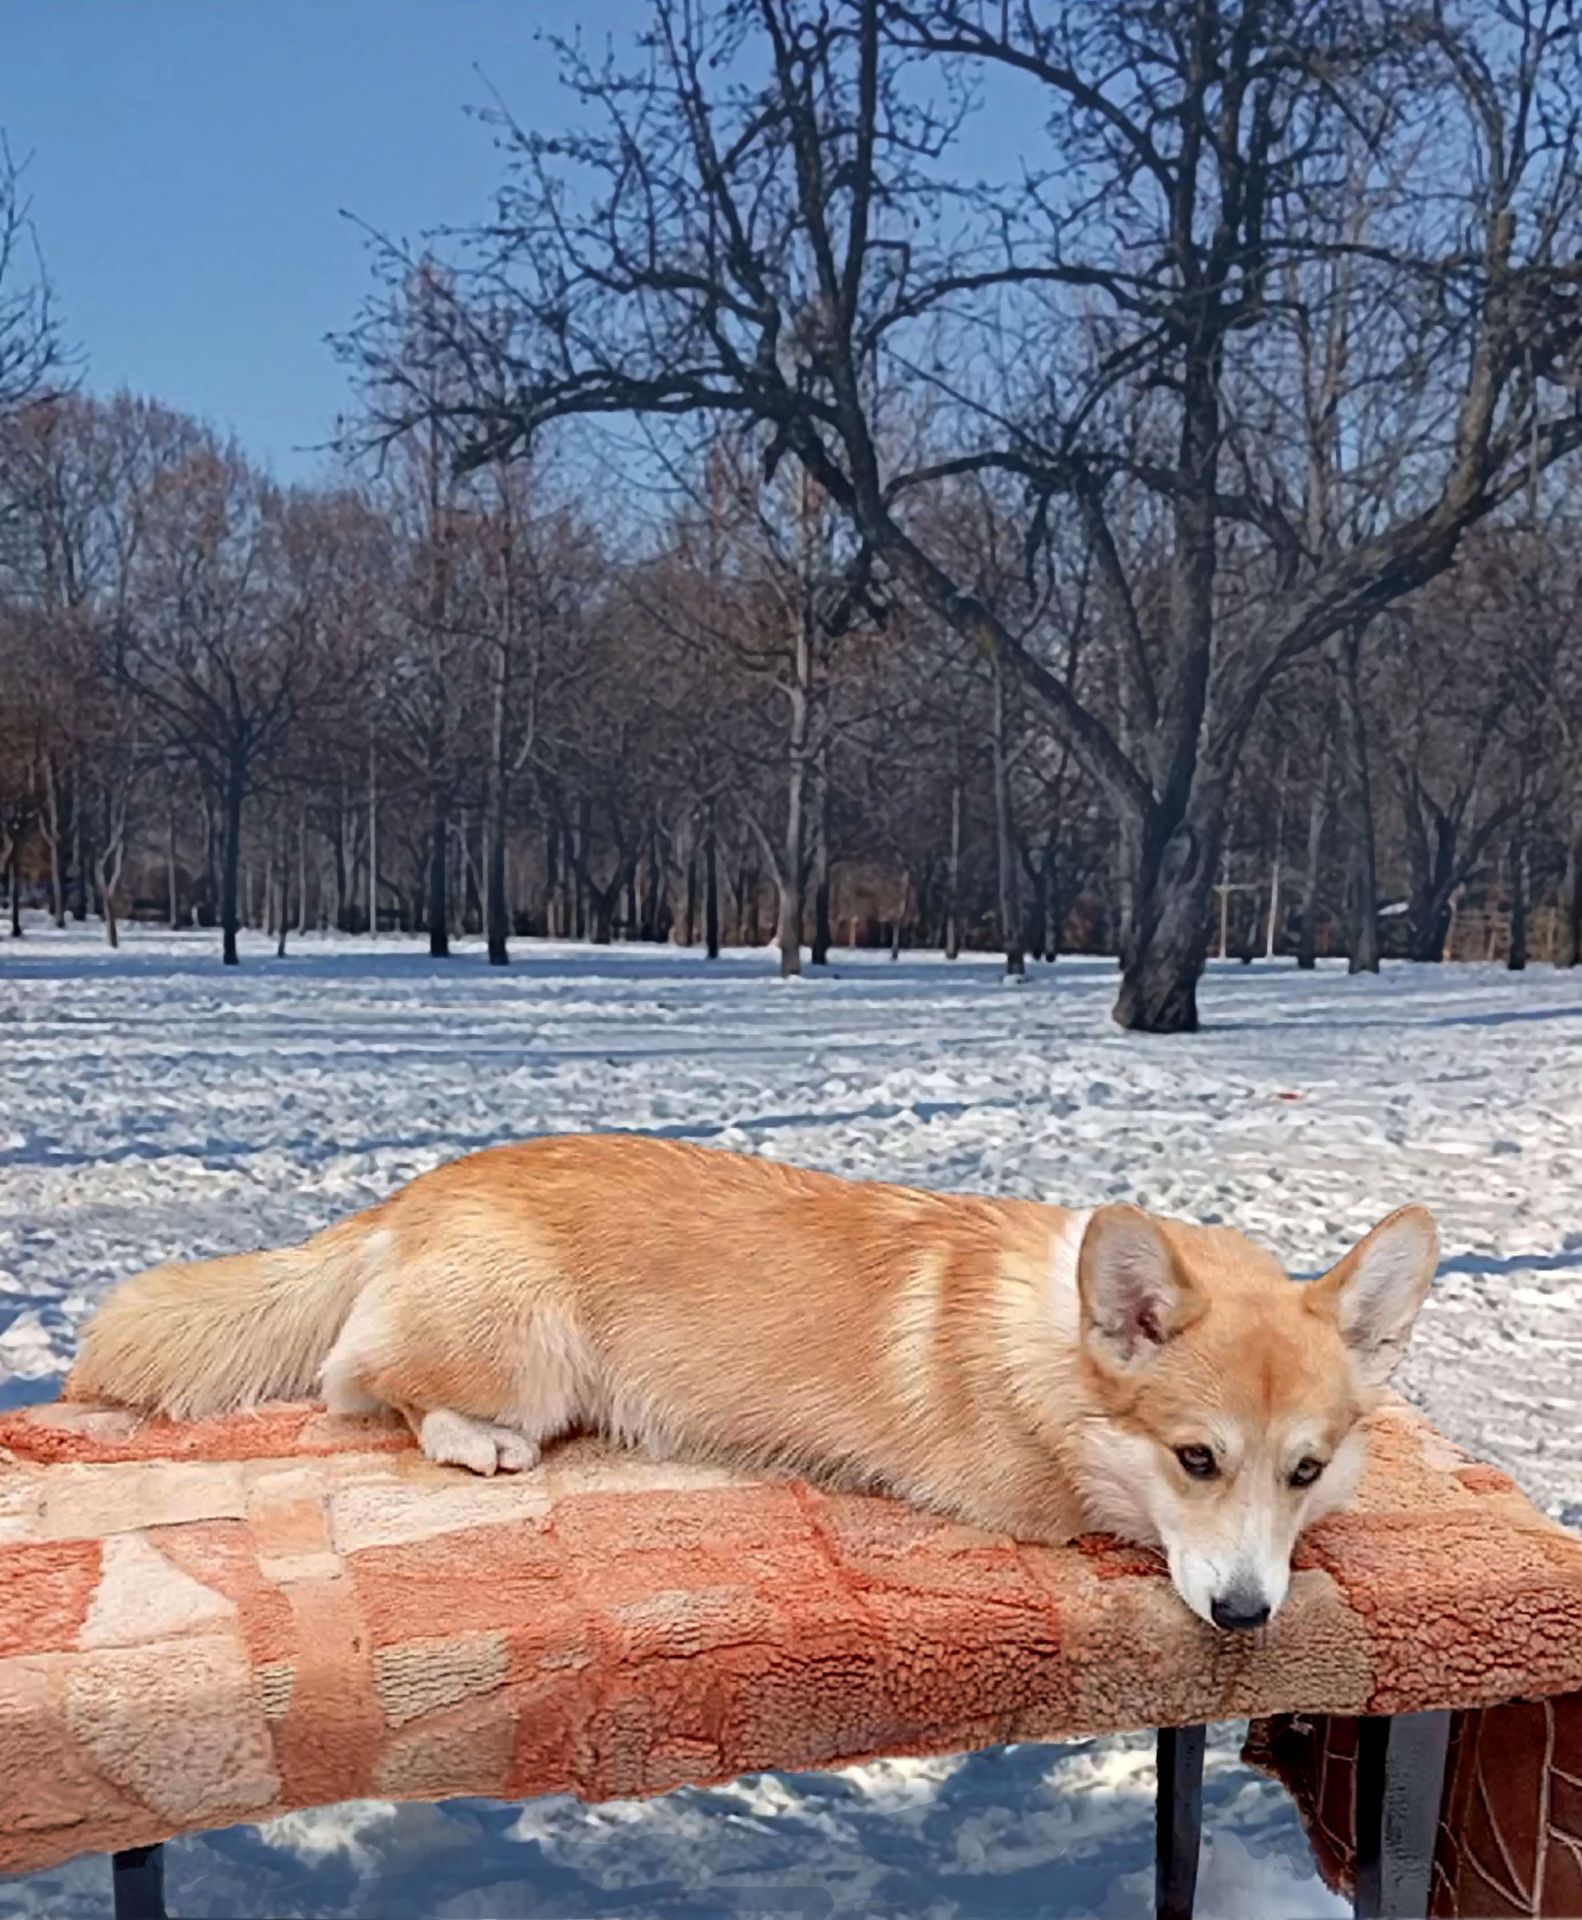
(1563, 704)
(761, 225)
(767, 619)
(23, 723)
(207, 640)
(32, 357)
(538, 561)
(1445, 736)
(1362, 875)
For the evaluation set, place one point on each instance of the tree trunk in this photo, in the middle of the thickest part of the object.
(499, 907)
(631, 901)
(1516, 959)
(1126, 863)
(1272, 938)
(603, 901)
(14, 887)
(690, 922)
(95, 891)
(282, 886)
(1317, 822)
(466, 900)
(953, 876)
(1430, 915)
(1171, 896)
(79, 859)
(1178, 840)
(788, 923)
(1005, 835)
(438, 875)
(1054, 928)
(172, 888)
(750, 912)
(498, 915)
(109, 875)
(577, 848)
(1363, 879)
(711, 882)
(1036, 916)
(303, 922)
(1568, 935)
(373, 837)
(823, 936)
(205, 885)
(343, 910)
(788, 931)
(551, 895)
(231, 860)
(654, 905)
(54, 835)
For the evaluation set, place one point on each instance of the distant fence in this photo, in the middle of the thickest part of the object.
(1243, 927)
(1481, 933)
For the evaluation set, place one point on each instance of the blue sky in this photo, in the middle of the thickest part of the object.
(190, 159)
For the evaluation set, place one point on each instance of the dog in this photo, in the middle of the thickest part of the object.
(1030, 1369)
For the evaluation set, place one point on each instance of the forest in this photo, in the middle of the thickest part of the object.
(777, 524)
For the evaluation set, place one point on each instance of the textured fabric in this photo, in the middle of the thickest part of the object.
(1510, 1831)
(219, 1622)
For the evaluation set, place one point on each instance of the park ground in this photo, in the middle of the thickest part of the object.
(154, 1104)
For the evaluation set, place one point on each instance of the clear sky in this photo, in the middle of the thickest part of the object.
(190, 160)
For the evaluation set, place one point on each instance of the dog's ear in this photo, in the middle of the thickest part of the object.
(1135, 1298)
(1374, 1293)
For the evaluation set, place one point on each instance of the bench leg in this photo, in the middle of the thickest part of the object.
(1400, 1782)
(138, 1876)
(1178, 1821)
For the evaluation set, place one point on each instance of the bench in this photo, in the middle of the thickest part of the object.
(217, 1623)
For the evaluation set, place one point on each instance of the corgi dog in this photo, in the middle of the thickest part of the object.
(1030, 1369)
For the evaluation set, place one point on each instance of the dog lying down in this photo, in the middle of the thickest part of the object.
(1033, 1370)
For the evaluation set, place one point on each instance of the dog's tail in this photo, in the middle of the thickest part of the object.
(209, 1336)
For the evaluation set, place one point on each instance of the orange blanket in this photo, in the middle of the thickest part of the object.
(216, 1623)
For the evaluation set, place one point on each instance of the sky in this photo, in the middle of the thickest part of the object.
(190, 161)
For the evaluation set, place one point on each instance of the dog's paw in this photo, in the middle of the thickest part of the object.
(457, 1440)
(452, 1440)
(514, 1452)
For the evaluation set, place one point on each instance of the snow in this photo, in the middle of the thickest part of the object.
(154, 1104)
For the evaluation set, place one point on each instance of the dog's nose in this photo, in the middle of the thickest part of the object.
(1239, 1612)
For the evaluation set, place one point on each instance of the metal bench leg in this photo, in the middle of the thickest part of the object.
(138, 1876)
(1400, 1780)
(1178, 1821)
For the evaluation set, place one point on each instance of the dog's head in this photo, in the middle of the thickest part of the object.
(1228, 1397)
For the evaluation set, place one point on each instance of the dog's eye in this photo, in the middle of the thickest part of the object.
(1305, 1472)
(1198, 1461)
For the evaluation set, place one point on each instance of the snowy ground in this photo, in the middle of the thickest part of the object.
(153, 1104)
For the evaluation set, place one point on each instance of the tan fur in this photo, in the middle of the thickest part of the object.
(194, 1337)
(693, 1301)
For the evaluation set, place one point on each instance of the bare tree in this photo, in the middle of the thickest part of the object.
(762, 226)
(1362, 878)
(1445, 736)
(32, 356)
(216, 661)
(1566, 711)
(118, 772)
(22, 724)
(538, 562)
